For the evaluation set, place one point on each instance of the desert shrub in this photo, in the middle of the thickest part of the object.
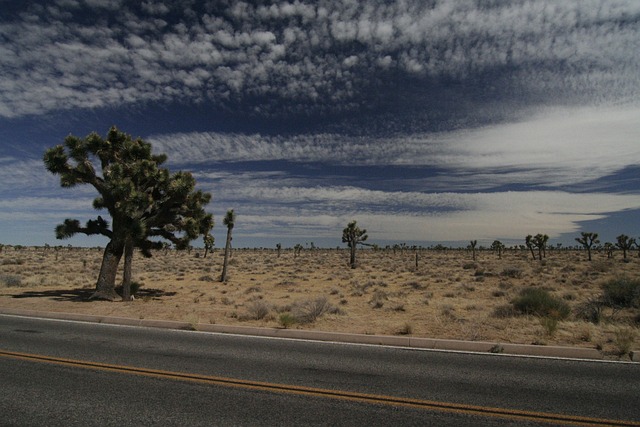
(623, 340)
(286, 320)
(308, 311)
(550, 325)
(504, 311)
(398, 307)
(621, 292)
(207, 278)
(415, 285)
(10, 280)
(258, 310)
(591, 311)
(513, 272)
(600, 266)
(539, 302)
(378, 299)
(406, 329)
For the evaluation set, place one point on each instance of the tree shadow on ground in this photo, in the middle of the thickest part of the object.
(83, 295)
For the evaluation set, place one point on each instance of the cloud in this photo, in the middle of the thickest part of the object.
(276, 205)
(312, 56)
(508, 216)
(555, 147)
(24, 175)
(558, 147)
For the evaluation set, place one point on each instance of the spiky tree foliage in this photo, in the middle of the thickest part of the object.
(540, 242)
(498, 246)
(588, 240)
(229, 221)
(145, 201)
(352, 235)
(472, 246)
(209, 241)
(609, 248)
(625, 243)
(529, 243)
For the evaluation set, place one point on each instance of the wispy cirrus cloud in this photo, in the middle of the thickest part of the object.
(508, 216)
(551, 148)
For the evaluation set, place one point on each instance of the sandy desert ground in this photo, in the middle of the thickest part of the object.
(448, 295)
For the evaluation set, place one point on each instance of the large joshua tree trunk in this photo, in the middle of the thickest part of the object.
(352, 260)
(126, 277)
(105, 286)
(229, 220)
(227, 249)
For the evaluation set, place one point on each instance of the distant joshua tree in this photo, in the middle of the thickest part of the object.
(498, 246)
(297, 249)
(588, 240)
(209, 241)
(230, 221)
(625, 243)
(540, 242)
(352, 235)
(279, 248)
(609, 248)
(472, 246)
(529, 243)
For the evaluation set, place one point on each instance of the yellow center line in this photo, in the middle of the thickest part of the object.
(512, 414)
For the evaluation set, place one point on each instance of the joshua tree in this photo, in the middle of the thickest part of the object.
(588, 240)
(229, 220)
(209, 241)
(352, 235)
(625, 243)
(609, 248)
(144, 200)
(529, 242)
(279, 248)
(498, 246)
(540, 242)
(297, 249)
(472, 246)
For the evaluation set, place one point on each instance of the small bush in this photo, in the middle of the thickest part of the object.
(308, 311)
(11, 281)
(415, 285)
(258, 310)
(624, 339)
(550, 325)
(286, 320)
(504, 311)
(538, 302)
(513, 272)
(378, 299)
(591, 311)
(406, 329)
(622, 292)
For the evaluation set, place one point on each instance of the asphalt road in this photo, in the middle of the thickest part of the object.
(224, 369)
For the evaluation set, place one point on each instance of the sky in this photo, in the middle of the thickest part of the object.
(427, 122)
